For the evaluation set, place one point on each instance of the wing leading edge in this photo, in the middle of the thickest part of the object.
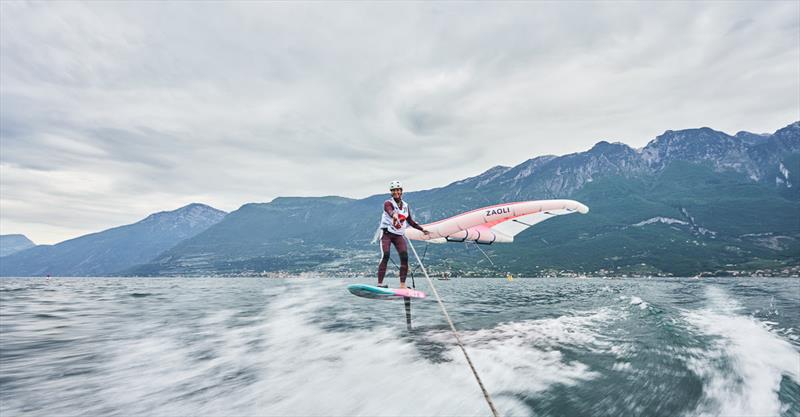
(496, 224)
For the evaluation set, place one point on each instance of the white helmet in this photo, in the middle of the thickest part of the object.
(395, 184)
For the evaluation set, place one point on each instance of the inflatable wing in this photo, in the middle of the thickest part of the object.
(495, 224)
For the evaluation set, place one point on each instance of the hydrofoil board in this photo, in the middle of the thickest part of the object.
(371, 291)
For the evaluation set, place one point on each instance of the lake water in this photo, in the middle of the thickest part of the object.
(307, 347)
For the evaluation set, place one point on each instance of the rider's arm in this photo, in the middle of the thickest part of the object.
(412, 223)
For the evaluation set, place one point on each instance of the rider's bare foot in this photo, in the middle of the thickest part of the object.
(402, 285)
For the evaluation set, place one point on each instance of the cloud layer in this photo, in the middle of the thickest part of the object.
(111, 110)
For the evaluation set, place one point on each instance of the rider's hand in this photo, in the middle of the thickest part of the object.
(425, 232)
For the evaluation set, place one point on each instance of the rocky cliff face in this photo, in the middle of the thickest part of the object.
(765, 158)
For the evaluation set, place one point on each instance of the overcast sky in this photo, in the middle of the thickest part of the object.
(110, 111)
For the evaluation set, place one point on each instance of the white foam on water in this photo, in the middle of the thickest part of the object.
(529, 350)
(634, 300)
(742, 370)
(295, 366)
(284, 362)
(638, 301)
(622, 367)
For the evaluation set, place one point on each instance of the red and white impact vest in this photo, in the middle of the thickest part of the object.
(388, 223)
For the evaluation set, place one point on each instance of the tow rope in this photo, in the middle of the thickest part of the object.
(486, 395)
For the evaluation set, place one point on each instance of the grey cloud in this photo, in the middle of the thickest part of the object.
(741, 25)
(424, 122)
(112, 110)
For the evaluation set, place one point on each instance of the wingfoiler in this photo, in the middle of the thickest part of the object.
(488, 225)
(499, 223)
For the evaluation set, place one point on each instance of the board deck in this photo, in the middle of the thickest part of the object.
(371, 291)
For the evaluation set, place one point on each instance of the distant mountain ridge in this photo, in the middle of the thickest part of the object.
(14, 243)
(726, 202)
(115, 249)
(563, 175)
(690, 202)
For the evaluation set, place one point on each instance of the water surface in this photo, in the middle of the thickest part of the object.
(306, 347)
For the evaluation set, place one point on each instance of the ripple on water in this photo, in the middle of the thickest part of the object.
(307, 347)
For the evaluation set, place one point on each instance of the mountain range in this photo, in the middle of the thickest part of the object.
(14, 243)
(113, 250)
(691, 202)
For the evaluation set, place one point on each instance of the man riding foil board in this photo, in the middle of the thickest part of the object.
(396, 217)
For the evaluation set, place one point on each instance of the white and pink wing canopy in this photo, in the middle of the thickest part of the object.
(495, 224)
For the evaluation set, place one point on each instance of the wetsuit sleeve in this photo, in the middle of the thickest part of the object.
(412, 223)
(388, 208)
